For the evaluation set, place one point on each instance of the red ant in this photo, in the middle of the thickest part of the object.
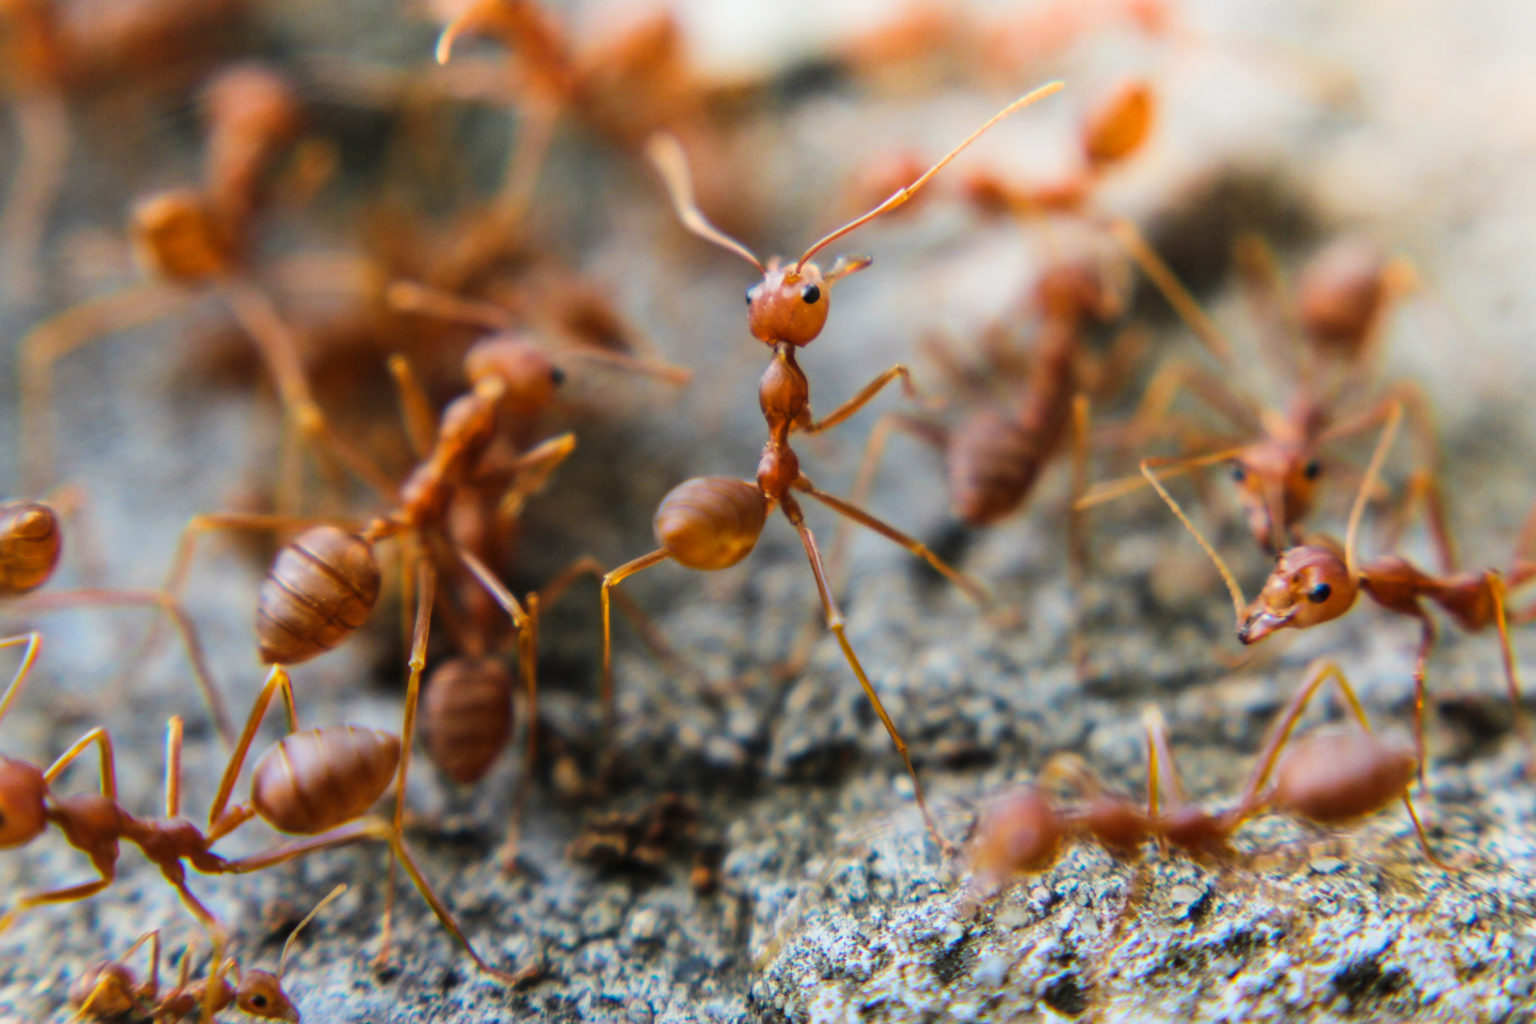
(1339, 309)
(54, 51)
(194, 238)
(316, 784)
(1316, 582)
(110, 990)
(1327, 777)
(711, 523)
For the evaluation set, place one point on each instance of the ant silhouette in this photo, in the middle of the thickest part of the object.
(711, 523)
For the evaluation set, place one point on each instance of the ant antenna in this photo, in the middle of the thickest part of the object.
(901, 195)
(1239, 606)
(1372, 471)
(282, 959)
(666, 153)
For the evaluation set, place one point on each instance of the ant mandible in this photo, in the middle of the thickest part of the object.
(1315, 582)
(712, 523)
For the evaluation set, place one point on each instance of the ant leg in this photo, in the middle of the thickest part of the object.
(363, 831)
(528, 665)
(1113, 490)
(973, 588)
(68, 894)
(1423, 491)
(103, 741)
(1176, 376)
(415, 407)
(1319, 673)
(1421, 421)
(279, 350)
(835, 623)
(173, 730)
(424, 300)
(426, 590)
(216, 935)
(1162, 769)
(611, 580)
(223, 819)
(42, 122)
(34, 642)
(874, 451)
(531, 472)
(60, 335)
(1172, 289)
(1497, 590)
(650, 633)
(1078, 553)
(167, 603)
(862, 397)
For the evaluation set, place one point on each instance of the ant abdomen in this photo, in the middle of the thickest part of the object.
(321, 587)
(711, 522)
(316, 780)
(1119, 126)
(1337, 775)
(467, 715)
(992, 463)
(30, 542)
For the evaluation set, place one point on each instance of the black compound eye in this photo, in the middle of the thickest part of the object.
(556, 376)
(259, 1001)
(751, 288)
(1319, 593)
(1239, 474)
(811, 294)
(1312, 470)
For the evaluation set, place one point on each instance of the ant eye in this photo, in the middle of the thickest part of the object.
(1312, 470)
(1239, 474)
(258, 1000)
(1319, 593)
(811, 294)
(557, 376)
(750, 289)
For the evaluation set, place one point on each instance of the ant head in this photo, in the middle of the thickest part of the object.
(1073, 291)
(23, 802)
(1309, 585)
(261, 994)
(1019, 833)
(1275, 478)
(1120, 124)
(523, 368)
(1337, 775)
(176, 236)
(790, 304)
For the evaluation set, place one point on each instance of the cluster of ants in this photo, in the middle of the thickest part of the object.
(473, 428)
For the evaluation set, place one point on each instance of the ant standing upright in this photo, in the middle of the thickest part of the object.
(711, 523)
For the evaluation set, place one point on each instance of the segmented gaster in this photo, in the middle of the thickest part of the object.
(467, 715)
(320, 588)
(30, 542)
(711, 522)
(315, 780)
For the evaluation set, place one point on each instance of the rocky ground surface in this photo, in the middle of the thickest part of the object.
(830, 900)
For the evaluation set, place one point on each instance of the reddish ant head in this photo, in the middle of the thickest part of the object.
(1019, 833)
(524, 369)
(261, 994)
(23, 802)
(790, 304)
(176, 236)
(1309, 585)
(1334, 776)
(1275, 477)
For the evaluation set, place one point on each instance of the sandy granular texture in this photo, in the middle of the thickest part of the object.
(833, 904)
